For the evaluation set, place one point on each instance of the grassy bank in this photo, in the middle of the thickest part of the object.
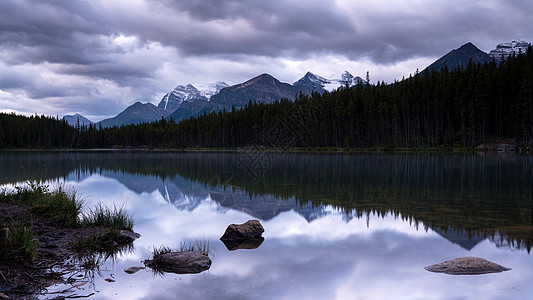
(64, 209)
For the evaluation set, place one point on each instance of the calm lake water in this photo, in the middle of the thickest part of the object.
(336, 226)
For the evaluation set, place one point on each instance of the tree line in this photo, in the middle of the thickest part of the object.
(462, 107)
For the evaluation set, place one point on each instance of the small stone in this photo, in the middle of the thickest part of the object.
(133, 270)
(249, 230)
(467, 266)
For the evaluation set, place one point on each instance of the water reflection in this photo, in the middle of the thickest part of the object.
(464, 198)
(336, 226)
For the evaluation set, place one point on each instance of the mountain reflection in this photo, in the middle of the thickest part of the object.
(464, 198)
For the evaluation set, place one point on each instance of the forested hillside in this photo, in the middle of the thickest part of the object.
(36, 132)
(460, 107)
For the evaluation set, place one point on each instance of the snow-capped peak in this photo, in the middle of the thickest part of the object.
(331, 83)
(172, 100)
(189, 93)
(316, 78)
(505, 50)
(210, 89)
(339, 81)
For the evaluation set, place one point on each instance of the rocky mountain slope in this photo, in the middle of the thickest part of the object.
(460, 57)
(135, 114)
(189, 93)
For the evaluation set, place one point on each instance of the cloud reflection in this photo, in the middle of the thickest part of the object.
(327, 258)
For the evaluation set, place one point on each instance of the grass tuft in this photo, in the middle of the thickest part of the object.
(102, 216)
(157, 252)
(61, 205)
(18, 241)
(155, 262)
(198, 246)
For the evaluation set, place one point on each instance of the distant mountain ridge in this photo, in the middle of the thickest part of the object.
(460, 57)
(73, 120)
(315, 83)
(187, 101)
(263, 88)
(135, 114)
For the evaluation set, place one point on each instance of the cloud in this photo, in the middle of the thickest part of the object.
(139, 49)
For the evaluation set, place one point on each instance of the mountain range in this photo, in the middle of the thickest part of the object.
(187, 101)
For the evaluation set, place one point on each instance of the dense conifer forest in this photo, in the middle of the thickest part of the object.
(463, 107)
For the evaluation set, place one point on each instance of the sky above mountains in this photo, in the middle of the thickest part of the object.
(96, 57)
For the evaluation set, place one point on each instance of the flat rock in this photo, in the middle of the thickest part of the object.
(467, 266)
(187, 262)
(249, 230)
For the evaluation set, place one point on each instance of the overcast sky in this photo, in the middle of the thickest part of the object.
(96, 57)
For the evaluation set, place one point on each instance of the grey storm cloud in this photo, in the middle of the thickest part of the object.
(299, 28)
(73, 31)
(134, 44)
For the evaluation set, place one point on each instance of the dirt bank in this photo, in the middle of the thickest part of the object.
(21, 279)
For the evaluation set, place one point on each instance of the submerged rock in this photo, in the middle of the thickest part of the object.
(250, 230)
(467, 266)
(187, 262)
(253, 243)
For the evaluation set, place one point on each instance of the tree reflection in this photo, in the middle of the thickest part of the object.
(471, 195)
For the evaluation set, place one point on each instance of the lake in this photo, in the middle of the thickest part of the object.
(358, 226)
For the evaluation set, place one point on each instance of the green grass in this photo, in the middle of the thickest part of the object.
(61, 205)
(20, 242)
(154, 262)
(198, 246)
(115, 218)
(160, 251)
(64, 208)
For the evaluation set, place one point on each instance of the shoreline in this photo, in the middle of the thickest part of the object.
(54, 255)
(46, 236)
(247, 150)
